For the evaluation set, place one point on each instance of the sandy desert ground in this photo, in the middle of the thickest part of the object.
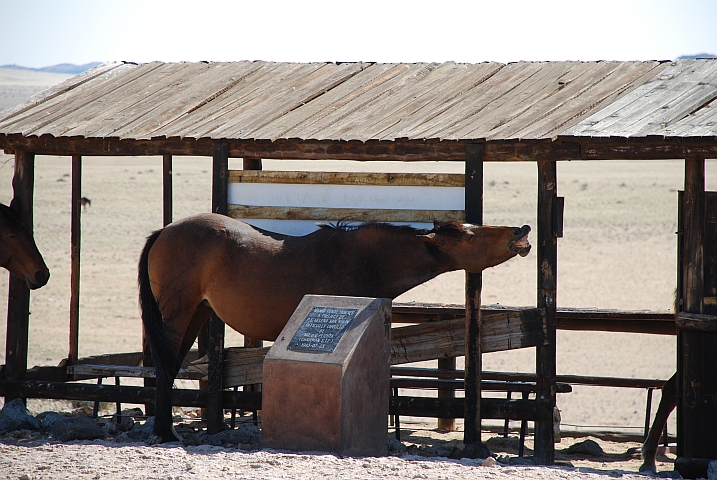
(619, 251)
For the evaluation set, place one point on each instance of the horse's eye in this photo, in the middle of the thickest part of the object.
(516, 231)
(11, 236)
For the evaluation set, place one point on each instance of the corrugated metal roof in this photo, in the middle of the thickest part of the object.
(365, 102)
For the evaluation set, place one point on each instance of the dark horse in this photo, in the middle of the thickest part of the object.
(18, 252)
(254, 279)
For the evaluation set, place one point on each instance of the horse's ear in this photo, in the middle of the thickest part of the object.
(430, 238)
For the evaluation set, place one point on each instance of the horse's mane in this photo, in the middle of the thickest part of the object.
(451, 228)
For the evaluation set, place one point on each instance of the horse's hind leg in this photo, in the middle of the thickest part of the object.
(667, 403)
(181, 339)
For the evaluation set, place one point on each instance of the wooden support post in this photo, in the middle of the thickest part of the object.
(474, 214)
(252, 164)
(447, 424)
(18, 302)
(75, 232)
(214, 343)
(697, 362)
(547, 289)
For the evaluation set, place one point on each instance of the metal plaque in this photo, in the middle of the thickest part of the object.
(322, 329)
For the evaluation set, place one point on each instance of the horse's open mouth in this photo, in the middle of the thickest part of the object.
(521, 246)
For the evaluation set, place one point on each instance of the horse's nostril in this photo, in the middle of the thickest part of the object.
(517, 231)
(42, 276)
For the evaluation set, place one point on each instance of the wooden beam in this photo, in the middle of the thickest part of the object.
(349, 178)
(347, 214)
(251, 168)
(415, 150)
(124, 394)
(474, 281)
(75, 242)
(18, 308)
(491, 408)
(696, 322)
(214, 329)
(547, 253)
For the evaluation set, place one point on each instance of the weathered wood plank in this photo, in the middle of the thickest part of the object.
(502, 331)
(348, 214)
(330, 106)
(349, 178)
(136, 100)
(99, 370)
(679, 85)
(250, 77)
(438, 102)
(46, 118)
(56, 90)
(588, 94)
(190, 97)
(429, 341)
(292, 97)
(481, 99)
(696, 322)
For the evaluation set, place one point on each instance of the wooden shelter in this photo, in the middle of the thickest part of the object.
(542, 112)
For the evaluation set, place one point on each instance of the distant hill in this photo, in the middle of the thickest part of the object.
(69, 68)
(695, 57)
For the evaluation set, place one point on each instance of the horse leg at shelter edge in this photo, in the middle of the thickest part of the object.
(668, 402)
(170, 335)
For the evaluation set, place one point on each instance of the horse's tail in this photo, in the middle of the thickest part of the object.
(164, 357)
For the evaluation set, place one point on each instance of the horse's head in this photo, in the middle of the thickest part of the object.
(18, 252)
(474, 248)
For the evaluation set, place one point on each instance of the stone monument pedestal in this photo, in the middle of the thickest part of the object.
(326, 378)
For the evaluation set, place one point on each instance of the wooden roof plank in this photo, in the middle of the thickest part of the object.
(388, 112)
(703, 122)
(117, 110)
(186, 98)
(56, 90)
(346, 99)
(354, 113)
(300, 119)
(259, 107)
(505, 108)
(476, 101)
(51, 114)
(625, 78)
(672, 85)
(295, 94)
(427, 106)
(548, 101)
(204, 116)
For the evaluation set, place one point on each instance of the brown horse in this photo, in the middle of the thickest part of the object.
(18, 252)
(254, 279)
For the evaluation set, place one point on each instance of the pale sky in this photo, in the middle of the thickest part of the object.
(38, 33)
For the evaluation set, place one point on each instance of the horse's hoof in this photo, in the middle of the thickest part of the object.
(645, 467)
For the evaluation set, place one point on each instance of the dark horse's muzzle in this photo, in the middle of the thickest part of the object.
(520, 244)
